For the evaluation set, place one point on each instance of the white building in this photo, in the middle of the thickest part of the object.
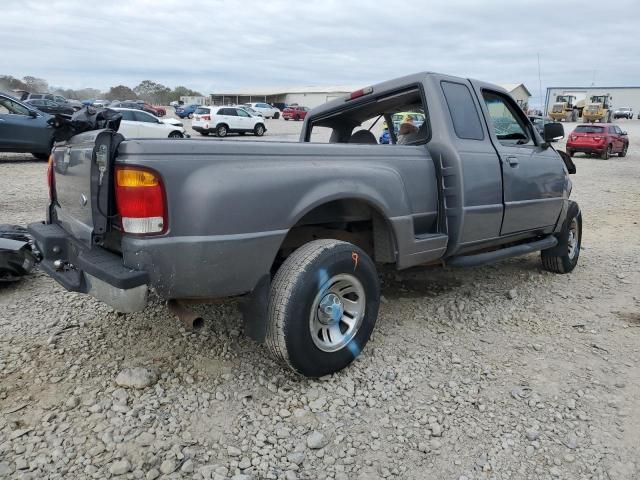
(620, 96)
(305, 96)
(519, 92)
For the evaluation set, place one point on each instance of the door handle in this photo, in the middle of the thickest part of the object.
(512, 161)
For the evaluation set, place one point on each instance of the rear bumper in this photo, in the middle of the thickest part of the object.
(95, 271)
(587, 148)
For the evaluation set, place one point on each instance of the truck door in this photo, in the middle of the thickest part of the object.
(532, 177)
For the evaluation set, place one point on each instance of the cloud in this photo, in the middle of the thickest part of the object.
(225, 44)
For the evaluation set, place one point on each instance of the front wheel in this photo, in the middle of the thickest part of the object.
(563, 258)
(176, 135)
(258, 130)
(323, 306)
(276, 116)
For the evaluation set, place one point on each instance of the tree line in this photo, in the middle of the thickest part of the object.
(146, 90)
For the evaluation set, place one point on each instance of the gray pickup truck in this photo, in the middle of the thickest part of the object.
(297, 229)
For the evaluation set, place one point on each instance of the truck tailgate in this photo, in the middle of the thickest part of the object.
(81, 191)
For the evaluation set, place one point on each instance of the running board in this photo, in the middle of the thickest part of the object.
(503, 253)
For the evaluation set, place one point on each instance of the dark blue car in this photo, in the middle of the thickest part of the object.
(187, 110)
(24, 129)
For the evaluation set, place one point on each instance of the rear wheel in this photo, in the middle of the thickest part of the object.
(190, 116)
(286, 118)
(570, 152)
(276, 116)
(221, 130)
(176, 135)
(323, 306)
(563, 258)
(258, 130)
(607, 153)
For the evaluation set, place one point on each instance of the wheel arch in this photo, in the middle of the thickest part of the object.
(351, 218)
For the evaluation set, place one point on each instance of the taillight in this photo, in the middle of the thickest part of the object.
(597, 139)
(140, 199)
(206, 117)
(51, 179)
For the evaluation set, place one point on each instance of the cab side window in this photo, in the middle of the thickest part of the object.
(508, 127)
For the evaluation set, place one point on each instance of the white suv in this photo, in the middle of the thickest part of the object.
(225, 120)
(264, 109)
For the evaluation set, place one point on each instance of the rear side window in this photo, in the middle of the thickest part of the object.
(127, 115)
(464, 115)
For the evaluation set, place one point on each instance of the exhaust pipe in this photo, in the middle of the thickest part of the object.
(190, 319)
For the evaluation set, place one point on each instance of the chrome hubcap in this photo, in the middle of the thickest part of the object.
(573, 238)
(337, 312)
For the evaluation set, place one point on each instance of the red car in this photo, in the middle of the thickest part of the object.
(157, 111)
(295, 112)
(604, 139)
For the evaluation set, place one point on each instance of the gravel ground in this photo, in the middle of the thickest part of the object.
(496, 372)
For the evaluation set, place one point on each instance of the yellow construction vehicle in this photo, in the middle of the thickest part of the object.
(566, 108)
(599, 109)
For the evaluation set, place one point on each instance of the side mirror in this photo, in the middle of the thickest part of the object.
(624, 133)
(552, 131)
(33, 113)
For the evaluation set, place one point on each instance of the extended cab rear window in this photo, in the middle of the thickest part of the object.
(396, 118)
(464, 115)
(589, 129)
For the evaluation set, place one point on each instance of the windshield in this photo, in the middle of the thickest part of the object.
(589, 129)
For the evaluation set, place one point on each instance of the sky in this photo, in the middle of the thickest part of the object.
(222, 45)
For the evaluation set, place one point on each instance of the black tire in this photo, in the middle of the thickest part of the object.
(607, 153)
(562, 258)
(623, 153)
(204, 133)
(190, 116)
(570, 152)
(305, 280)
(41, 156)
(296, 118)
(276, 116)
(176, 134)
(222, 130)
(259, 130)
(286, 118)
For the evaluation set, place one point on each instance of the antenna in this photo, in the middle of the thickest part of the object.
(544, 108)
